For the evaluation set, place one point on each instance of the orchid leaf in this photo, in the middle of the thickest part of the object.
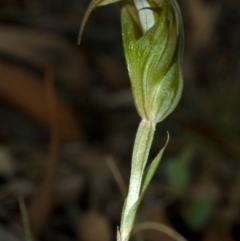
(149, 172)
(147, 177)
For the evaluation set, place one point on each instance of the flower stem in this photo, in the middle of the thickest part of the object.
(140, 155)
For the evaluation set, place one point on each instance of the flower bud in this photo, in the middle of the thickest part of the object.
(152, 33)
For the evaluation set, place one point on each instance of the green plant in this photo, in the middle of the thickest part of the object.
(25, 219)
(152, 39)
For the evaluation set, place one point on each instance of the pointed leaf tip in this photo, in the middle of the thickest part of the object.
(149, 172)
(93, 4)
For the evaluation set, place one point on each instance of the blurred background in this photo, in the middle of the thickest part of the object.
(68, 122)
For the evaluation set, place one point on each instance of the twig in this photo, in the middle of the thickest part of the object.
(42, 203)
(158, 227)
(117, 175)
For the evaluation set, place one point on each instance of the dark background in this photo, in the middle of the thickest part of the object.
(66, 112)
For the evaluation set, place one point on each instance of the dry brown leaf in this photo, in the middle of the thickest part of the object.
(94, 227)
(202, 21)
(220, 230)
(42, 202)
(24, 91)
(35, 48)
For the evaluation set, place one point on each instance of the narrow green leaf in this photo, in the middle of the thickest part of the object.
(147, 177)
(25, 219)
(148, 174)
(130, 217)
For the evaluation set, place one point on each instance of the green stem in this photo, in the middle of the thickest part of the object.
(25, 219)
(140, 155)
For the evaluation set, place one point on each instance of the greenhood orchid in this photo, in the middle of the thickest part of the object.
(152, 38)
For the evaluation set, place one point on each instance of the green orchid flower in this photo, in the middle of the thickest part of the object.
(151, 33)
(152, 37)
